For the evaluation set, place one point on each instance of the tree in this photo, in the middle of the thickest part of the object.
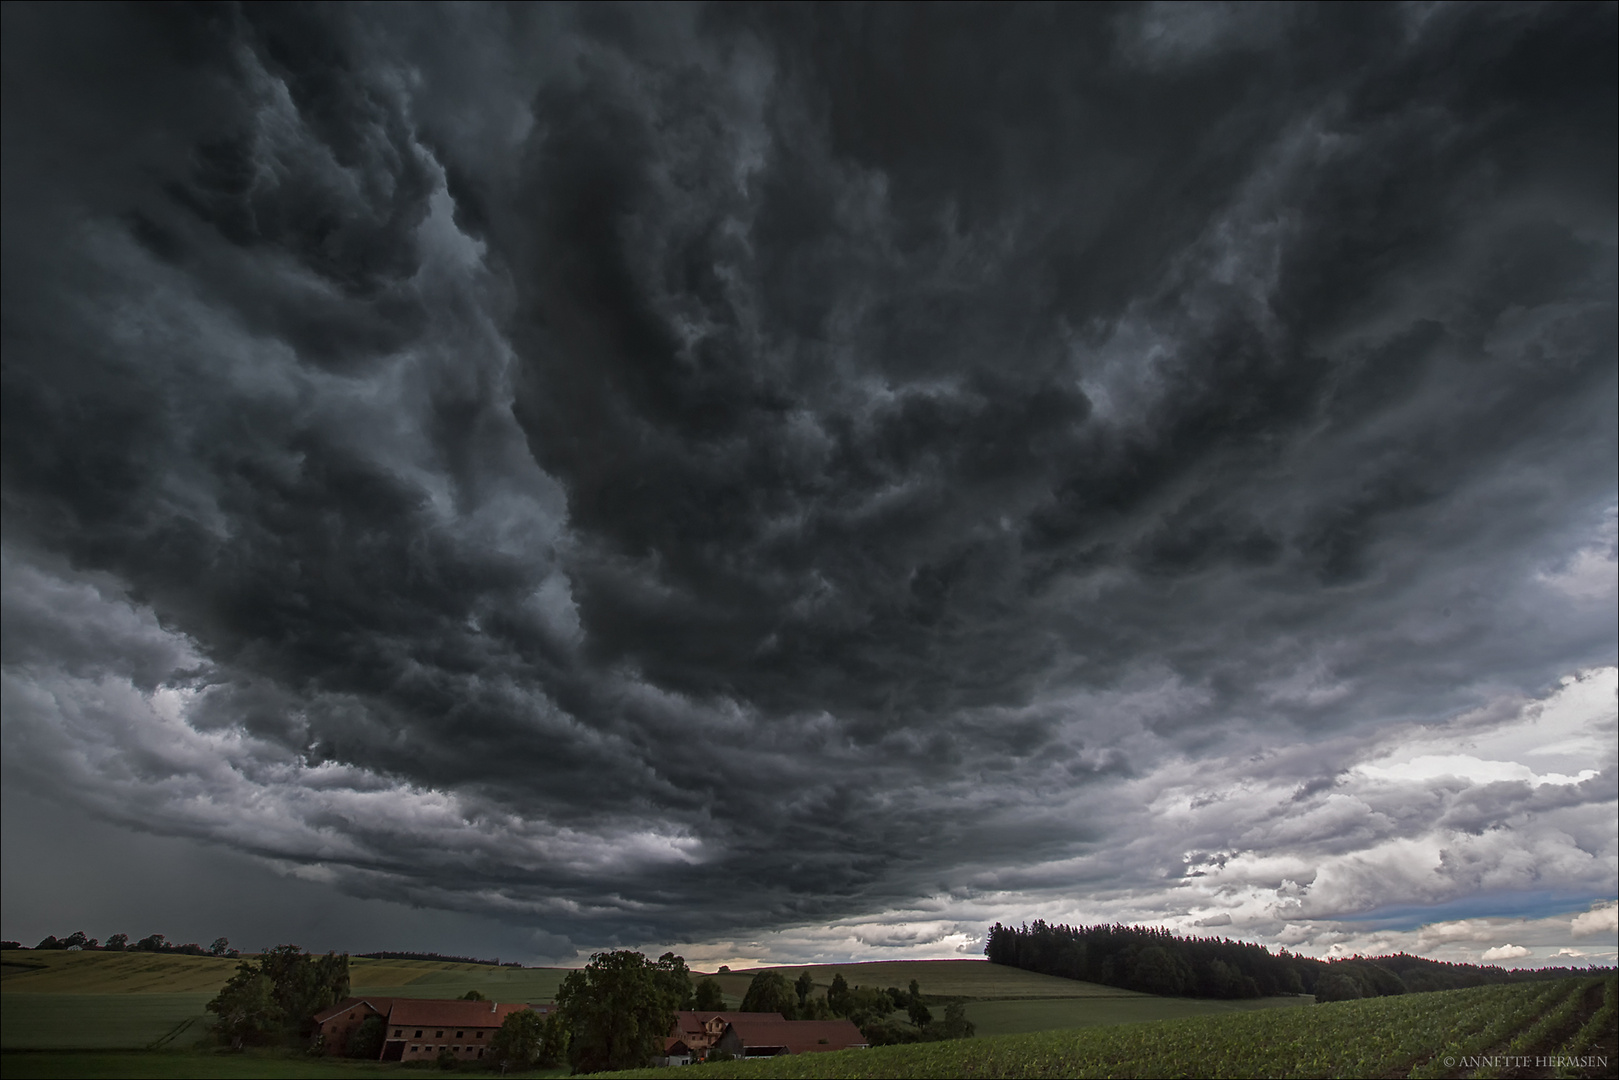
(282, 992)
(1157, 971)
(367, 1040)
(955, 1024)
(220, 947)
(803, 985)
(473, 995)
(117, 943)
(152, 943)
(709, 998)
(920, 1016)
(518, 1043)
(868, 1005)
(916, 991)
(79, 938)
(837, 995)
(674, 981)
(616, 1011)
(1337, 986)
(305, 984)
(246, 1007)
(769, 993)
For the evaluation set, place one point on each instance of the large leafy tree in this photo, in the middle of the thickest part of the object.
(674, 981)
(518, 1043)
(280, 993)
(247, 1008)
(769, 992)
(837, 995)
(618, 1009)
(709, 996)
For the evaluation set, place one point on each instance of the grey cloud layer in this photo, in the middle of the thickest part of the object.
(690, 468)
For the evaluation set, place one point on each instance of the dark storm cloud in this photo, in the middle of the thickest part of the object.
(807, 448)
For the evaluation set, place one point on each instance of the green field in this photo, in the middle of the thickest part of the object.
(1021, 1017)
(1411, 1036)
(101, 1021)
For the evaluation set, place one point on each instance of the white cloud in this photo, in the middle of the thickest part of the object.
(1506, 952)
(1602, 919)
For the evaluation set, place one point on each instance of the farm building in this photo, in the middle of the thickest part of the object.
(417, 1028)
(754, 1034)
(748, 1037)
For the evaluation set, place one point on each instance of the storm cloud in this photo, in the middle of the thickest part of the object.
(694, 473)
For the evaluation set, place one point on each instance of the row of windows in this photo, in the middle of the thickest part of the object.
(430, 1048)
(400, 1032)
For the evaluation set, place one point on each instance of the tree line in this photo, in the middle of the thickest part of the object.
(120, 943)
(1157, 961)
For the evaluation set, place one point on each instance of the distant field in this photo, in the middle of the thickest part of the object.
(62, 972)
(1019, 1017)
(403, 978)
(186, 1066)
(100, 1021)
(939, 978)
(1412, 1035)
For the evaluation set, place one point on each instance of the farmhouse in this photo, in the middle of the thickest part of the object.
(755, 1034)
(418, 1029)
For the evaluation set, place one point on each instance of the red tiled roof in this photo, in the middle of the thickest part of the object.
(380, 1004)
(798, 1036)
(426, 1013)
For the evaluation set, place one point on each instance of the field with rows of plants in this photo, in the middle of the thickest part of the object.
(1419, 1035)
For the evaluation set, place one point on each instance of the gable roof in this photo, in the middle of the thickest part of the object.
(427, 1013)
(377, 1004)
(693, 1021)
(798, 1036)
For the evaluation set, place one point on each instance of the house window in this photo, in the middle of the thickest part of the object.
(438, 1034)
(398, 1032)
(415, 1049)
(460, 1034)
(480, 1034)
(418, 1033)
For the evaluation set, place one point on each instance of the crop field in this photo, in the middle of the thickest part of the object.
(1414, 1035)
(63, 972)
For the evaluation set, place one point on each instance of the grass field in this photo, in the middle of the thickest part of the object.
(101, 1021)
(1020, 1017)
(1413, 1035)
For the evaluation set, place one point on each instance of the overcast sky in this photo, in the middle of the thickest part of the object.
(797, 483)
